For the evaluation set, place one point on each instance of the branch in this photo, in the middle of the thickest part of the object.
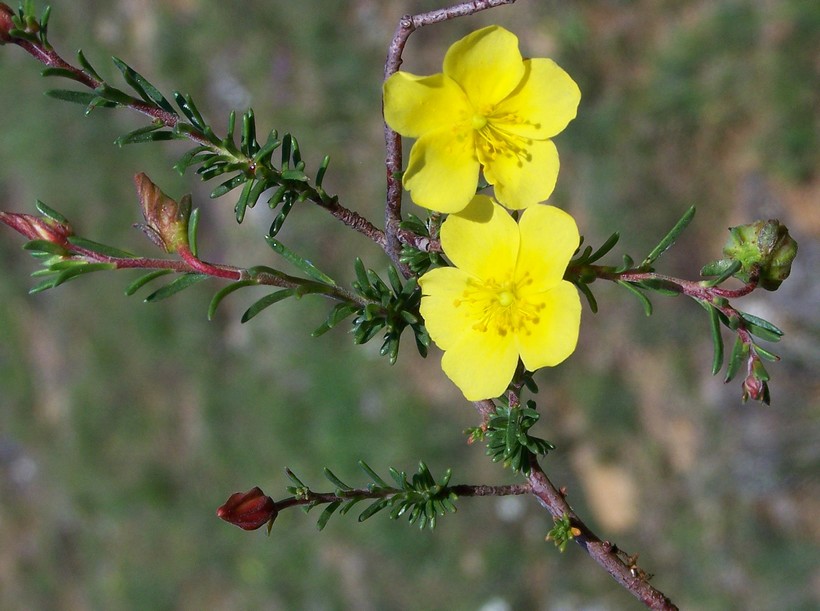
(393, 161)
(162, 114)
(460, 490)
(621, 567)
(618, 564)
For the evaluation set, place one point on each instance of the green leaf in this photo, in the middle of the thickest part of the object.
(50, 213)
(112, 94)
(193, 228)
(593, 303)
(229, 185)
(335, 480)
(723, 269)
(143, 280)
(63, 73)
(337, 314)
(79, 270)
(717, 339)
(189, 109)
(395, 281)
(320, 175)
(670, 238)
(605, 248)
(44, 246)
(769, 356)
(739, 353)
(224, 292)
(77, 97)
(283, 213)
(262, 156)
(86, 65)
(267, 300)
(146, 90)
(373, 475)
(242, 203)
(647, 305)
(101, 249)
(149, 133)
(665, 287)
(247, 142)
(762, 324)
(189, 158)
(42, 286)
(292, 477)
(327, 514)
(256, 191)
(303, 264)
(373, 509)
(174, 287)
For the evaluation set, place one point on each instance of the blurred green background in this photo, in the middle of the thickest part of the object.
(124, 425)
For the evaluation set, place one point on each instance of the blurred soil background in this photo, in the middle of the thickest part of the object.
(123, 425)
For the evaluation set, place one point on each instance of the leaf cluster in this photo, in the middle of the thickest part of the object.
(508, 437)
(392, 309)
(562, 532)
(581, 272)
(249, 162)
(745, 350)
(419, 261)
(421, 498)
(59, 265)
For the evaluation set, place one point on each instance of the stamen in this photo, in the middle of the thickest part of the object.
(500, 307)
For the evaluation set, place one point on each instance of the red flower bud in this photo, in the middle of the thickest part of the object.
(6, 24)
(248, 510)
(166, 219)
(755, 389)
(38, 228)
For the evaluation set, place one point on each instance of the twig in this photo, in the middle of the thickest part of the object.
(462, 490)
(192, 264)
(621, 567)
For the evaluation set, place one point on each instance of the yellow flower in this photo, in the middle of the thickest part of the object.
(490, 109)
(505, 298)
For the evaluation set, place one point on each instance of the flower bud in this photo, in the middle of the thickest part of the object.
(166, 219)
(6, 23)
(38, 227)
(248, 510)
(765, 247)
(756, 389)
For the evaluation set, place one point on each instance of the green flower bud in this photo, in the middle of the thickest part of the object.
(763, 247)
(166, 219)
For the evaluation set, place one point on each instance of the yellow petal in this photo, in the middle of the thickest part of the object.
(549, 237)
(546, 100)
(442, 172)
(482, 364)
(442, 288)
(482, 240)
(554, 336)
(486, 64)
(415, 105)
(523, 180)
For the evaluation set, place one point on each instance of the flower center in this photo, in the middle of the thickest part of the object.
(493, 139)
(500, 307)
